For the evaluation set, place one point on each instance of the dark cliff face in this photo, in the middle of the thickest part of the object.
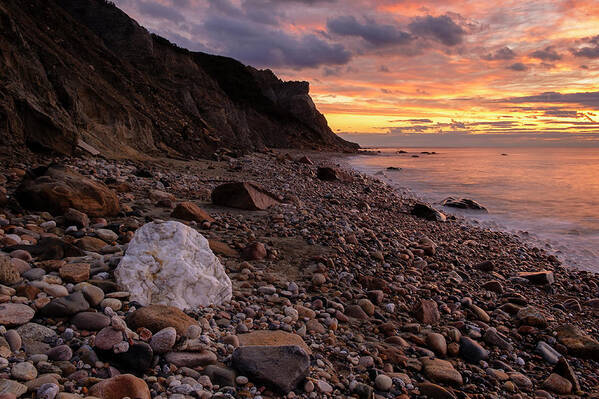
(76, 71)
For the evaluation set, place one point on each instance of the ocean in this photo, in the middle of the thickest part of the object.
(547, 196)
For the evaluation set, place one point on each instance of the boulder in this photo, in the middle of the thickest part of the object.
(56, 189)
(428, 212)
(159, 317)
(543, 277)
(328, 173)
(172, 264)
(191, 212)
(121, 386)
(243, 195)
(463, 203)
(578, 344)
(282, 367)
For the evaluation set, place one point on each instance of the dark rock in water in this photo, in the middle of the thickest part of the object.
(282, 367)
(463, 203)
(471, 350)
(65, 306)
(428, 212)
(332, 174)
(402, 152)
(393, 168)
(56, 189)
(48, 248)
(243, 195)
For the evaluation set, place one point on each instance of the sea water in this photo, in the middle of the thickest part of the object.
(549, 196)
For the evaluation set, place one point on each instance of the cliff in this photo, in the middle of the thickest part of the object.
(77, 72)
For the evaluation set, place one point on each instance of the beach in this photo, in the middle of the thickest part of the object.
(380, 302)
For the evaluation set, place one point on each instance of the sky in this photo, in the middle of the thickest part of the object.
(414, 73)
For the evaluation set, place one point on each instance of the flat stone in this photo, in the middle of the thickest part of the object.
(15, 314)
(90, 321)
(543, 277)
(442, 371)
(75, 272)
(191, 359)
(24, 371)
(243, 195)
(107, 338)
(65, 306)
(91, 244)
(191, 212)
(158, 317)
(434, 391)
(558, 384)
(272, 338)
(12, 387)
(121, 386)
(281, 367)
(35, 331)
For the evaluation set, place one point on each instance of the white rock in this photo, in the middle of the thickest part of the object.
(170, 263)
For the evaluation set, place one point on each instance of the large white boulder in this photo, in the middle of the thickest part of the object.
(171, 264)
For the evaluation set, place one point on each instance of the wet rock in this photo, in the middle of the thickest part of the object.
(15, 314)
(243, 195)
(158, 317)
(191, 212)
(282, 367)
(65, 306)
(463, 203)
(428, 212)
(472, 351)
(172, 264)
(120, 386)
(427, 312)
(56, 189)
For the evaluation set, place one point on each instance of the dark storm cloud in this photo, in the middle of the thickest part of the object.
(257, 45)
(157, 10)
(442, 29)
(547, 54)
(518, 66)
(377, 34)
(504, 53)
(588, 99)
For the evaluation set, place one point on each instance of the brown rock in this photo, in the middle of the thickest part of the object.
(427, 312)
(221, 248)
(157, 317)
(542, 278)
(434, 391)
(578, 344)
(15, 314)
(442, 371)
(254, 251)
(120, 386)
(356, 312)
(531, 316)
(272, 338)
(75, 272)
(8, 273)
(563, 368)
(92, 244)
(74, 217)
(191, 359)
(56, 189)
(243, 195)
(331, 174)
(486, 266)
(558, 384)
(191, 212)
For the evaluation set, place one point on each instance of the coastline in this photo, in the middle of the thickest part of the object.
(377, 291)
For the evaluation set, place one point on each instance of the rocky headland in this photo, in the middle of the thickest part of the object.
(272, 275)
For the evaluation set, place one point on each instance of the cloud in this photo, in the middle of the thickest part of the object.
(442, 29)
(157, 10)
(590, 50)
(504, 53)
(548, 54)
(263, 46)
(374, 33)
(518, 66)
(587, 99)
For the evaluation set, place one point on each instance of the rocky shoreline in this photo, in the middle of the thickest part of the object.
(336, 289)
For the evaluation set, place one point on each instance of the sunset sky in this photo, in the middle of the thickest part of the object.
(407, 73)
